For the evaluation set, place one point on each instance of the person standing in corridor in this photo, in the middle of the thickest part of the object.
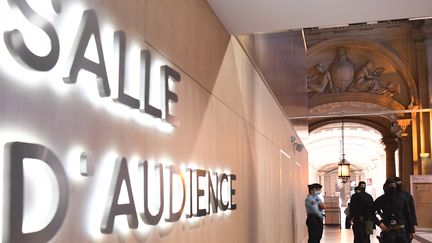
(396, 222)
(410, 201)
(361, 214)
(314, 219)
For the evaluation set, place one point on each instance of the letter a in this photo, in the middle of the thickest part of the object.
(89, 26)
(114, 209)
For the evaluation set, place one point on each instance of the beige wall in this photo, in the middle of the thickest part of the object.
(229, 121)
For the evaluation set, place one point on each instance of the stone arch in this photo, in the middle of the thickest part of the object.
(379, 126)
(364, 150)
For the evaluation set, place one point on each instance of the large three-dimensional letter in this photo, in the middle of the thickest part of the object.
(232, 192)
(15, 41)
(89, 26)
(167, 94)
(13, 192)
(114, 209)
(145, 78)
(120, 45)
(199, 193)
(212, 193)
(222, 206)
(175, 216)
(147, 217)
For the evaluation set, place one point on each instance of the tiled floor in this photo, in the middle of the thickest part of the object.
(336, 235)
(424, 236)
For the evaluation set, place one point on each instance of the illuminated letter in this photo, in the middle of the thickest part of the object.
(168, 95)
(232, 178)
(212, 196)
(13, 192)
(146, 216)
(89, 25)
(199, 193)
(145, 75)
(222, 206)
(114, 209)
(190, 214)
(15, 41)
(120, 45)
(175, 216)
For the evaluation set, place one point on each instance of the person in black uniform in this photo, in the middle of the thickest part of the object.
(410, 200)
(396, 221)
(361, 213)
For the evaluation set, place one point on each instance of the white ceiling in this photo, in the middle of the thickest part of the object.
(254, 16)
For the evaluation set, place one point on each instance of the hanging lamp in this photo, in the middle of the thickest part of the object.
(344, 165)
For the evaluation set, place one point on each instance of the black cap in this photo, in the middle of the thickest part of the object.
(390, 183)
(311, 186)
(317, 185)
(398, 180)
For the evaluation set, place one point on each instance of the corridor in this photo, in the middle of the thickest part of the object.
(336, 235)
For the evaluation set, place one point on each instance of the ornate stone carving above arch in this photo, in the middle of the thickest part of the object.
(355, 103)
(390, 69)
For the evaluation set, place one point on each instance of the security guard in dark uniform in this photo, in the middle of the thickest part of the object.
(396, 221)
(410, 200)
(314, 219)
(361, 213)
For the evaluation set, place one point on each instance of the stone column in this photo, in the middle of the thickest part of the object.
(390, 147)
(423, 49)
(405, 161)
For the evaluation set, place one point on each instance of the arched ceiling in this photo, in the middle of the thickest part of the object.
(253, 16)
(363, 146)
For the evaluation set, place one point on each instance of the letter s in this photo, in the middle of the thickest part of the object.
(15, 41)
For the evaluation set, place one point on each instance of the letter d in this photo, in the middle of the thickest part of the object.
(13, 192)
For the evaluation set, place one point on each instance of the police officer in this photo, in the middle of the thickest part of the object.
(321, 205)
(410, 200)
(361, 213)
(396, 221)
(314, 219)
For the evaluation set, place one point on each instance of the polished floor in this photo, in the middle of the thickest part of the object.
(336, 235)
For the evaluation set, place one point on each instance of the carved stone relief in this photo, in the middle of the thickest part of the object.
(352, 108)
(342, 76)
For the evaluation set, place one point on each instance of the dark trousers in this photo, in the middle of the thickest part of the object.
(315, 228)
(347, 222)
(395, 237)
(360, 235)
